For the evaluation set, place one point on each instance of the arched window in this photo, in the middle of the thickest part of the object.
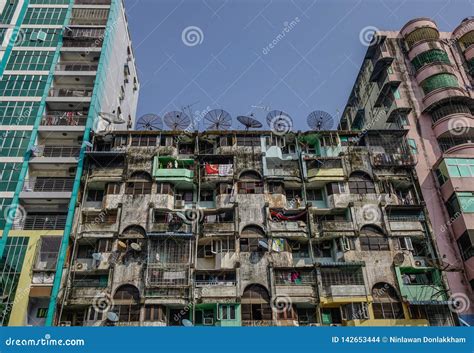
(255, 304)
(386, 303)
(127, 303)
(133, 232)
(361, 183)
(252, 239)
(372, 238)
(250, 183)
(140, 184)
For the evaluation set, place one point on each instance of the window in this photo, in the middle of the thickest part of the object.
(104, 217)
(315, 194)
(374, 244)
(227, 312)
(276, 188)
(460, 167)
(465, 244)
(248, 141)
(430, 56)
(405, 243)
(48, 251)
(30, 60)
(287, 313)
(113, 189)
(386, 304)
(155, 313)
(250, 245)
(335, 276)
(361, 183)
(294, 277)
(164, 188)
(18, 113)
(186, 196)
(250, 187)
(95, 195)
(143, 141)
(460, 202)
(206, 196)
(412, 145)
(45, 16)
(138, 188)
(41, 313)
(336, 188)
(95, 315)
(22, 85)
(355, 311)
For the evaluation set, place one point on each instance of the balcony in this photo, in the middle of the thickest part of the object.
(344, 290)
(288, 169)
(89, 17)
(420, 285)
(73, 93)
(50, 188)
(393, 160)
(306, 292)
(217, 172)
(218, 227)
(64, 119)
(57, 151)
(92, 2)
(420, 29)
(336, 228)
(76, 66)
(43, 222)
(216, 289)
(169, 169)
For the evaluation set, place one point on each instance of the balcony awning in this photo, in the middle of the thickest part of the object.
(431, 302)
(340, 264)
(169, 235)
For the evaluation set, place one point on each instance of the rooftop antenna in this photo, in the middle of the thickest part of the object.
(320, 120)
(279, 121)
(249, 122)
(187, 109)
(149, 122)
(218, 119)
(176, 120)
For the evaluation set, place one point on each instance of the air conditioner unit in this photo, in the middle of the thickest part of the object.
(208, 321)
(81, 266)
(179, 204)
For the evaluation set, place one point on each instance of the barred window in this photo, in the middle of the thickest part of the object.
(138, 188)
(335, 276)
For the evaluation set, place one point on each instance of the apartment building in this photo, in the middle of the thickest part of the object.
(421, 80)
(66, 69)
(249, 228)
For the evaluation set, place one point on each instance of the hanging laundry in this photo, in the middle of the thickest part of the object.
(225, 169)
(212, 169)
(278, 245)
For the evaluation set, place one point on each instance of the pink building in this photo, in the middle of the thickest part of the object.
(422, 80)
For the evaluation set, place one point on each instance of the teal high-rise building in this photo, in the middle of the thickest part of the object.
(67, 69)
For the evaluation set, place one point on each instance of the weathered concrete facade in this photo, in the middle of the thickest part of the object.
(252, 228)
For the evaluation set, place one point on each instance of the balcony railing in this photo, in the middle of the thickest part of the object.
(76, 67)
(42, 222)
(392, 159)
(92, 2)
(49, 185)
(59, 151)
(71, 92)
(64, 119)
(90, 43)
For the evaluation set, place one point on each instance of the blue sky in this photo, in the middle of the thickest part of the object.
(230, 66)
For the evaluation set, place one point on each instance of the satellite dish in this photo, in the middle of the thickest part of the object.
(97, 256)
(149, 122)
(187, 323)
(218, 119)
(320, 120)
(136, 246)
(279, 122)
(249, 122)
(263, 244)
(112, 118)
(177, 120)
(122, 245)
(111, 316)
(398, 259)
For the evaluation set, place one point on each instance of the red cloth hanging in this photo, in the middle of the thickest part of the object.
(212, 169)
